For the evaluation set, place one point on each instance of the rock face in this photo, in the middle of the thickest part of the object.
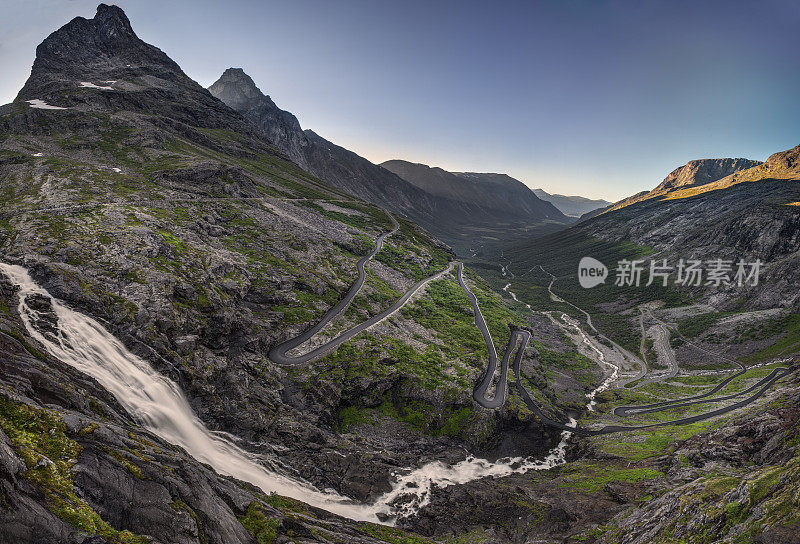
(697, 173)
(132, 75)
(447, 212)
(572, 206)
(700, 172)
(238, 91)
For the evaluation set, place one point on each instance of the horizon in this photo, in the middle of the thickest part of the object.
(607, 121)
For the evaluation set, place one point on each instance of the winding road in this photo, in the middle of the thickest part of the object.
(517, 342)
(279, 354)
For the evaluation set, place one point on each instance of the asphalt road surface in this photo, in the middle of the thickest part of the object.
(517, 343)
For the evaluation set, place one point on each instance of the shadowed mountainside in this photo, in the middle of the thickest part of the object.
(459, 217)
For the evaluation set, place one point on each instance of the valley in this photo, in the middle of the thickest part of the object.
(217, 327)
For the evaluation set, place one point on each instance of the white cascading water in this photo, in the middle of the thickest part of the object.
(158, 403)
(412, 491)
(601, 358)
(161, 407)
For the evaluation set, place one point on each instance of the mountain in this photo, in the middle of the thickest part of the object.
(238, 91)
(485, 195)
(156, 247)
(100, 64)
(697, 173)
(338, 166)
(572, 206)
(159, 249)
(456, 218)
(499, 207)
(779, 166)
(701, 172)
(695, 214)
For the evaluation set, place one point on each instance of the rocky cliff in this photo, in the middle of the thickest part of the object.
(238, 91)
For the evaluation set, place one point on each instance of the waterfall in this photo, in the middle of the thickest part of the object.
(158, 403)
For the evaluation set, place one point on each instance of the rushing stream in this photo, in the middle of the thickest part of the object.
(159, 405)
(600, 357)
(157, 402)
(414, 489)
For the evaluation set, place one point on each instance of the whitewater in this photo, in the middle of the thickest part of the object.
(159, 405)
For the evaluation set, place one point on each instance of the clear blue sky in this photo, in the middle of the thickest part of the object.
(578, 97)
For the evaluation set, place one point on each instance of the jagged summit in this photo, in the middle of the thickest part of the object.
(237, 87)
(101, 65)
(238, 90)
(102, 47)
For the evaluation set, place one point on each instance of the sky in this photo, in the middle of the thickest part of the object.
(597, 98)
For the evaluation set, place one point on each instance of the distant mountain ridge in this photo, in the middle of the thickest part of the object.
(784, 165)
(485, 193)
(572, 206)
(457, 216)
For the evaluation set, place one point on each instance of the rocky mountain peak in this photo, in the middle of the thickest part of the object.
(105, 46)
(113, 22)
(693, 174)
(703, 171)
(236, 88)
(100, 65)
(786, 160)
(239, 92)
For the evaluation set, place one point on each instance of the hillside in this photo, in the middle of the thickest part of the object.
(181, 245)
(691, 177)
(482, 194)
(499, 207)
(783, 165)
(723, 219)
(453, 216)
(687, 342)
(339, 167)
